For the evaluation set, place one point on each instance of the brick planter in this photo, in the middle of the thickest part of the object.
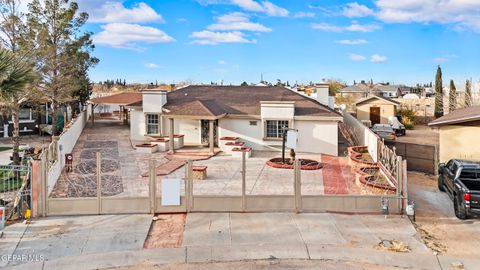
(162, 144)
(305, 164)
(199, 172)
(146, 148)
(366, 176)
(178, 141)
(237, 152)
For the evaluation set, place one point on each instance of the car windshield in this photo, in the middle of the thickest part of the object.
(470, 174)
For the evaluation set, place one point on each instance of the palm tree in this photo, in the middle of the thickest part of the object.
(16, 75)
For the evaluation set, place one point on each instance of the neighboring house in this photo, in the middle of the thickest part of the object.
(376, 109)
(255, 114)
(459, 132)
(357, 91)
(388, 91)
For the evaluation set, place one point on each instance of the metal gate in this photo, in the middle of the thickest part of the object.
(15, 190)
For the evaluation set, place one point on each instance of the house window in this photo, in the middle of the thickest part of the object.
(274, 128)
(153, 124)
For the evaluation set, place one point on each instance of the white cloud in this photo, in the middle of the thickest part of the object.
(152, 65)
(116, 12)
(248, 5)
(124, 35)
(376, 58)
(462, 13)
(266, 7)
(354, 27)
(354, 10)
(274, 10)
(443, 59)
(357, 57)
(302, 14)
(215, 38)
(327, 27)
(352, 42)
(237, 21)
(222, 62)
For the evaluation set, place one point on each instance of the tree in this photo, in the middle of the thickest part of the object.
(244, 84)
(61, 50)
(17, 73)
(16, 76)
(438, 93)
(468, 94)
(452, 97)
(334, 86)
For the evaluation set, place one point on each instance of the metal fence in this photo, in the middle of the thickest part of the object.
(15, 190)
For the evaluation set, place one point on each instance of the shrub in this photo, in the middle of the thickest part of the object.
(407, 117)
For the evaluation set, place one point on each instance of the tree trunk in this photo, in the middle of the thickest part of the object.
(16, 133)
(54, 118)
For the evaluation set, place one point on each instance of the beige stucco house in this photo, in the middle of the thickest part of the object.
(206, 114)
(459, 133)
(377, 109)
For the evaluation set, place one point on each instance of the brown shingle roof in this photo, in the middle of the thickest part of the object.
(119, 99)
(459, 116)
(238, 100)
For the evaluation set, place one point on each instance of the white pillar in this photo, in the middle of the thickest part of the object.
(5, 130)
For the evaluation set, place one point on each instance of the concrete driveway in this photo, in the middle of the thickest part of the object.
(58, 237)
(436, 221)
(297, 230)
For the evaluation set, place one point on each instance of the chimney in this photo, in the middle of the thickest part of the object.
(153, 100)
(322, 93)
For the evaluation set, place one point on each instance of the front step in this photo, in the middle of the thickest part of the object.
(231, 145)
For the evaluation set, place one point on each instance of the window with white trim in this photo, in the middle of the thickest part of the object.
(152, 121)
(274, 128)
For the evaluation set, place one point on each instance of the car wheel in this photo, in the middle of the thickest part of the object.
(440, 184)
(459, 211)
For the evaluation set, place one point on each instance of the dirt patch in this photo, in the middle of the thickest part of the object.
(436, 223)
(166, 231)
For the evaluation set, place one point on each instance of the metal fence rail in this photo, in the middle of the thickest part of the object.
(15, 190)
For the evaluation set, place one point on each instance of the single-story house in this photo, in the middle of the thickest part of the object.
(357, 91)
(377, 109)
(458, 134)
(388, 90)
(254, 114)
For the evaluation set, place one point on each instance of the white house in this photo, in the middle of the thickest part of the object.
(256, 115)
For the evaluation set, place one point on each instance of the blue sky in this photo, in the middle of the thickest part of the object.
(238, 40)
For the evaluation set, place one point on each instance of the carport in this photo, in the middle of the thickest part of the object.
(120, 100)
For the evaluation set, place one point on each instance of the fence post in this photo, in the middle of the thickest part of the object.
(399, 176)
(244, 172)
(189, 186)
(43, 181)
(297, 185)
(99, 183)
(152, 187)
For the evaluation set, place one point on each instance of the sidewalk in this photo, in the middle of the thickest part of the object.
(96, 242)
(175, 256)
